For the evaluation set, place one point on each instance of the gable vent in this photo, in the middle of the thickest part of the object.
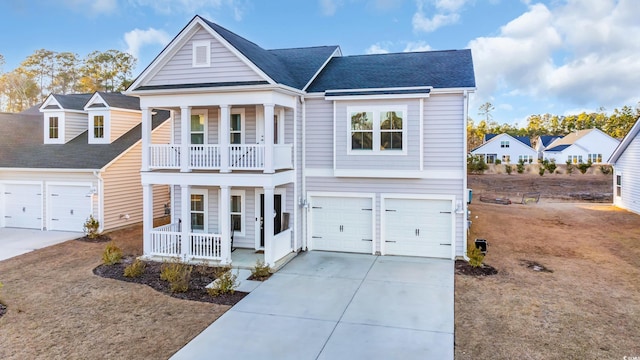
(201, 53)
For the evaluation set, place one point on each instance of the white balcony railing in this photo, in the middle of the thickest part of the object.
(208, 157)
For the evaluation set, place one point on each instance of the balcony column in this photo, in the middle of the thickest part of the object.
(185, 215)
(147, 217)
(269, 210)
(225, 225)
(146, 137)
(185, 138)
(268, 138)
(224, 134)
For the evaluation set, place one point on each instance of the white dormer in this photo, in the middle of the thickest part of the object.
(111, 115)
(62, 122)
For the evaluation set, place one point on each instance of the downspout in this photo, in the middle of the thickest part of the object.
(303, 186)
(465, 194)
(100, 194)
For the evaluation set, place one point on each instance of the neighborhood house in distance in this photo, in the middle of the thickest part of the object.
(74, 156)
(582, 146)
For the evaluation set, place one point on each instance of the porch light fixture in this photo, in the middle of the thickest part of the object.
(459, 209)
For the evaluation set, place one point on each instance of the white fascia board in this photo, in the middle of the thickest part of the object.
(218, 89)
(50, 100)
(95, 99)
(233, 180)
(377, 97)
(429, 88)
(46, 170)
(336, 53)
(228, 98)
(453, 90)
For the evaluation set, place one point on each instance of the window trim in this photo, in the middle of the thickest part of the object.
(376, 110)
(61, 126)
(57, 127)
(243, 211)
(618, 184)
(198, 44)
(595, 157)
(243, 128)
(504, 144)
(205, 199)
(205, 114)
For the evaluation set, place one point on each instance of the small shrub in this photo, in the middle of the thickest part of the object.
(476, 164)
(475, 256)
(177, 274)
(550, 166)
(226, 283)
(508, 169)
(498, 161)
(570, 167)
(606, 169)
(530, 161)
(583, 167)
(520, 166)
(260, 270)
(541, 170)
(91, 227)
(112, 254)
(135, 269)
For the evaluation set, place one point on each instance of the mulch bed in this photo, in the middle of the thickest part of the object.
(463, 268)
(197, 285)
(99, 239)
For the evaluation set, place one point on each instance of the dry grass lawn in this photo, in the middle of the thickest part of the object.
(58, 309)
(587, 308)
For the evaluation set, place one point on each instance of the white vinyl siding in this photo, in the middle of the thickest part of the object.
(74, 125)
(628, 168)
(121, 122)
(224, 65)
(444, 131)
(319, 132)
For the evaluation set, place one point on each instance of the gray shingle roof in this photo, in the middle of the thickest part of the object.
(72, 101)
(120, 101)
(25, 148)
(439, 69)
(559, 147)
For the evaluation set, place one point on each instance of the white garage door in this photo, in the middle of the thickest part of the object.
(69, 207)
(23, 206)
(342, 224)
(418, 227)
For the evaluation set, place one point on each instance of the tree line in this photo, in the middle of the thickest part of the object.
(45, 72)
(616, 125)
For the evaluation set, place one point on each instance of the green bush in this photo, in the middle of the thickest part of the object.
(91, 227)
(550, 166)
(498, 161)
(475, 256)
(606, 169)
(260, 271)
(570, 167)
(476, 164)
(508, 169)
(541, 170)
(135, 269)
(177, 274)
(520, 166)
(111, 254)
(583, 167)
(226, 283)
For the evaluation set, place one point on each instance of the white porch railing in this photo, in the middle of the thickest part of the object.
(164, 156)
(208, 156)
(206, 246)
(166, 242)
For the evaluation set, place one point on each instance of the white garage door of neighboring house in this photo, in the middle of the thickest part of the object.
(69, 207)
(342, 224)
(418, 227)
(23, 206)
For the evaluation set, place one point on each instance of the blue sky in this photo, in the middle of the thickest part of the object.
(531, 57)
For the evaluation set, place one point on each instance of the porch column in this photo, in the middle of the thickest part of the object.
(147, 218)
(185, 215)
(225, 128)
(225, 224)
(185, 138)
(268, 139)
(268, 223)
(146, 137)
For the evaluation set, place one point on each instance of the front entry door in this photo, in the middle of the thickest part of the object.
(277, 221)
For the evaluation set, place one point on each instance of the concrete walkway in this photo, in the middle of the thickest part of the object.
(326, 305)
(14, 242)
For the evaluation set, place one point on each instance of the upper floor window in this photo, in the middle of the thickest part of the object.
(201, 53)
(504, 144)
(377, 129)
(53, 127)
(198, 127)
(98, 127)
(235, 135)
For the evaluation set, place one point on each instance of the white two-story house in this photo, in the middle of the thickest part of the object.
(304, 149)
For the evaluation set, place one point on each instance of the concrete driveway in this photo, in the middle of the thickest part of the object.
(14, 242)
(326, 305)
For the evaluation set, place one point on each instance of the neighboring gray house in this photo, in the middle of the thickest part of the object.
(626, 175)
(304, 149)
(80, 155)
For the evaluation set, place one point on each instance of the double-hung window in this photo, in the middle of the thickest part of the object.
(237, 209)
(618, 185)
(198, 210)
(595, 158)
(198, 127)
(377, 130)
(53, 127)
(235, 134)
(504, 144)
(98, 127)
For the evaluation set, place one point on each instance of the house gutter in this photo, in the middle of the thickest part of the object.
(465, 193)
(303, 192)
(98, 175)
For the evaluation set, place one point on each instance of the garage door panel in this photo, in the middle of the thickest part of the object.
(418, 227)
(23, 206)
(70, 206)
(342, 224)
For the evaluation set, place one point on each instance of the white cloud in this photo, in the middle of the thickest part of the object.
(329, 7)
(94, 7)
(417, 46)
(582, 52)
(446, 12)
(138, 38)
(376, 49)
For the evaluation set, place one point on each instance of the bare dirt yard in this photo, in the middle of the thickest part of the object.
(58, 309)
(568, 275)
